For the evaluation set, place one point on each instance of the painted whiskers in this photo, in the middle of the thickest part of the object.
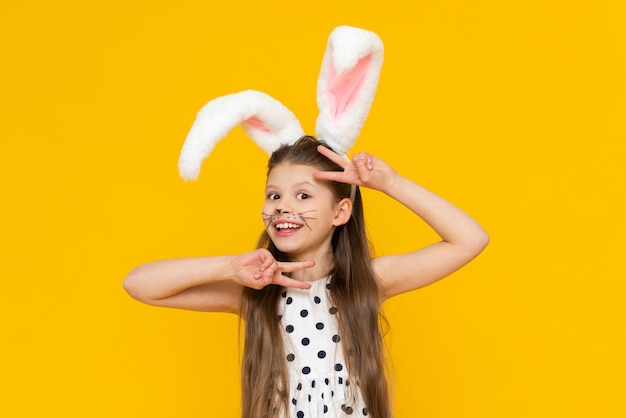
(296, 216)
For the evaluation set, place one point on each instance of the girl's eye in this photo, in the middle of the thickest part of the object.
(303, 196)
(273, 196)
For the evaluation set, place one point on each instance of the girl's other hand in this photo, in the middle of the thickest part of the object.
(364, 170)
(259, 268)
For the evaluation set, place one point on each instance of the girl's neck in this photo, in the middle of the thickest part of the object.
(324, 264)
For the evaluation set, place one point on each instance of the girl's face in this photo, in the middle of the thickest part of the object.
(300, 213)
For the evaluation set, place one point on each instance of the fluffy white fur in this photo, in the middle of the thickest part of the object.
(270, 124)
(218, 117)
(346, 46)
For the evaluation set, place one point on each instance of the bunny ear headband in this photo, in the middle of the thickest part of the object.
(345, 91)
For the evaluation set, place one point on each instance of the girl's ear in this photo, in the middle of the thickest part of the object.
(347, 84)
(343, 212)
(268, 122)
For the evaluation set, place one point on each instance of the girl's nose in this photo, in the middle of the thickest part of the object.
(281, 211)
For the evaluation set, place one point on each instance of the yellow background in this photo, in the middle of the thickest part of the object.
(512, 110)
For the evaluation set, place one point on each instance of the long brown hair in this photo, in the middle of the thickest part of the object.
(265, 384)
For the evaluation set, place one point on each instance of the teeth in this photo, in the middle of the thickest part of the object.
(287, 226)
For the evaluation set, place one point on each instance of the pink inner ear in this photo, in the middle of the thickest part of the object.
(344, 88)
(257, 123)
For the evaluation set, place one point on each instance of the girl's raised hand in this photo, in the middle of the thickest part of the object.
(259, 268)
(364, 170)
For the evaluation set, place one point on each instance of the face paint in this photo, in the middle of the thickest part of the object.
(290, 216)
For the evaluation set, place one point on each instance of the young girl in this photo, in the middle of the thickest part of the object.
(310, 294)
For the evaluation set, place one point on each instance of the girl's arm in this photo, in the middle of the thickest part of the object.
(209, 284)
(462, 237)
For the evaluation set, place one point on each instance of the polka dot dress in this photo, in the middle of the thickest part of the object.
(319, 383)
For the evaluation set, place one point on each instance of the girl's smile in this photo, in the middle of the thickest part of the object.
(285, 228)
(283, 221)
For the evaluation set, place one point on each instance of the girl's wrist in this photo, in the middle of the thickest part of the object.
(230, 270)
(393, 184)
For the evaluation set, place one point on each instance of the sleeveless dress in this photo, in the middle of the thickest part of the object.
(319, 383)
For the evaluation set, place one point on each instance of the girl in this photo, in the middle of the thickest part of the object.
(310, 294)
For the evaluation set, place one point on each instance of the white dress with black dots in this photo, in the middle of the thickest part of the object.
(319, 383)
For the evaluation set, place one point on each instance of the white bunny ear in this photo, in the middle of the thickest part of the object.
(268, 122)
(347, 84)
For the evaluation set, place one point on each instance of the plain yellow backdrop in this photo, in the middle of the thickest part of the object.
(514, 111)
